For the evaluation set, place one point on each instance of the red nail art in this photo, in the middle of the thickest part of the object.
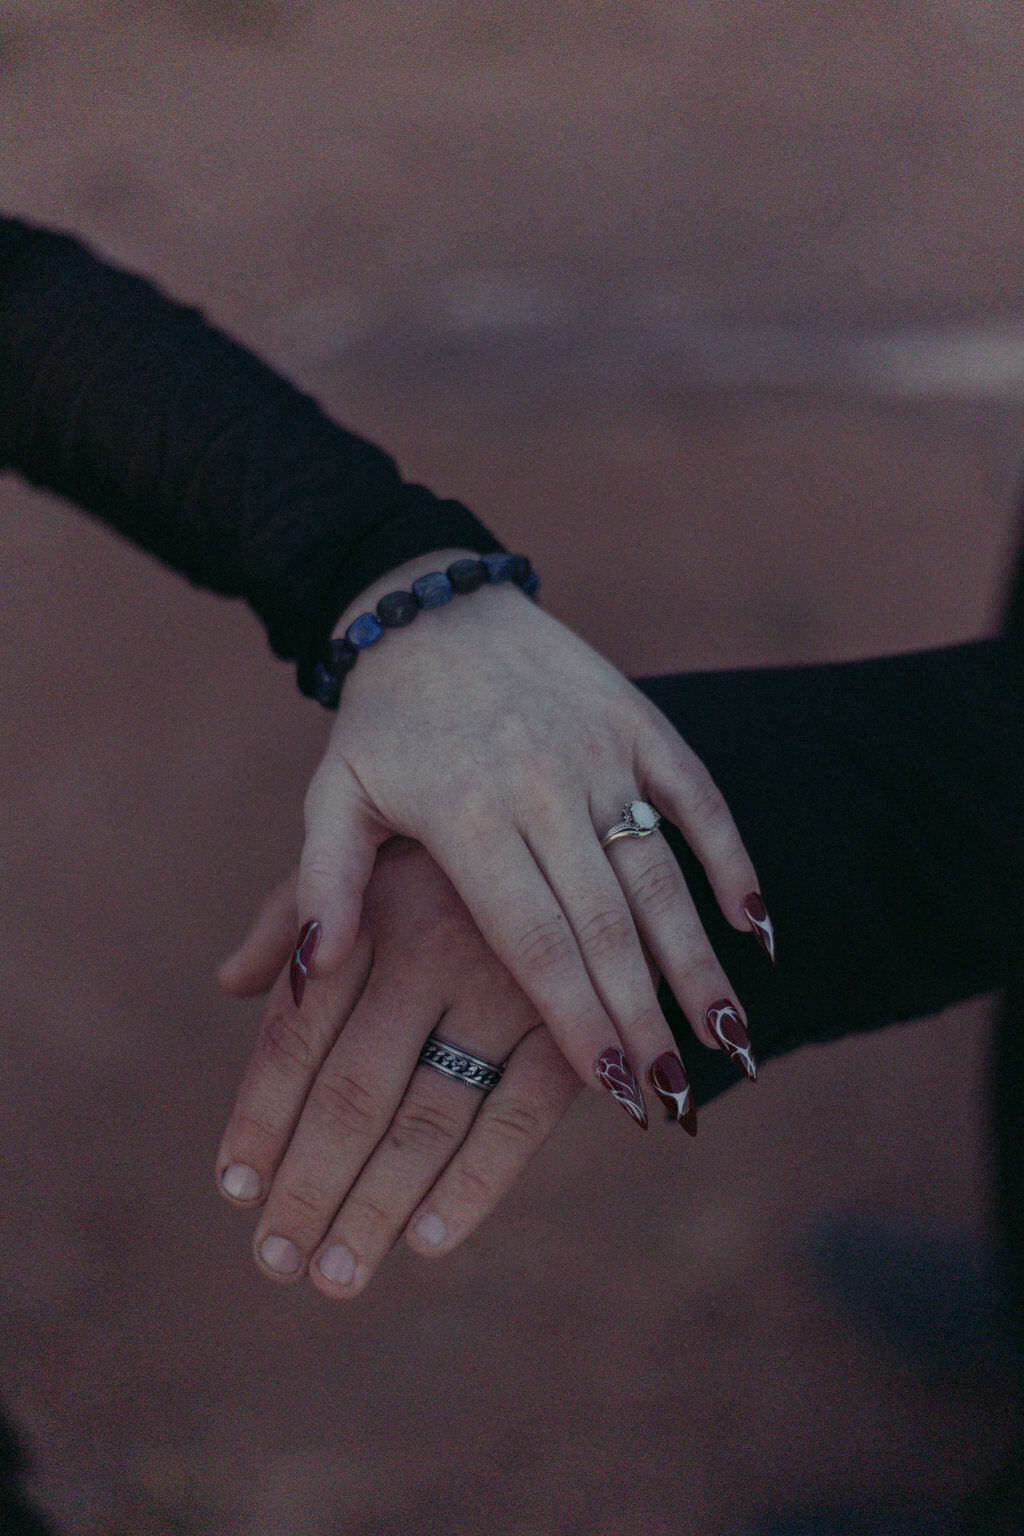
(757, 916)
(616, 1074)
(724, 1022)
(670, 1083)
(309, 938)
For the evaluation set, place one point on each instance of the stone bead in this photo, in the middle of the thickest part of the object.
(520, 568)
(396, 609)
(342, 656)
(498, 567)
(530, 585)
(364, 631)
(433, 591)
(466, 575)
(326, 687)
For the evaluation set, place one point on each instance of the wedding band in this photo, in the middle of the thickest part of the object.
(638, 820)
(454, 1062)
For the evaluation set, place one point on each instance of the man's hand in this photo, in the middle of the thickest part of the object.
(337, 1134)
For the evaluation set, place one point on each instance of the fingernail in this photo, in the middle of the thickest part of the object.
(757, 916)
(729, 1030)
(614, 1071)
(430, 1229)
(670, 1083)
(337, 1264)
(280, 1255)
(308, 940)
(240, 1182)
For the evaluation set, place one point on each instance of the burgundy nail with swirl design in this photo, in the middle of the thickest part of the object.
(756, 914)
(309, 938)
(670, 1083)
(724, 1022)
(615, 1072)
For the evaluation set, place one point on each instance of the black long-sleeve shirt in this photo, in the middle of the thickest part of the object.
(136, 409)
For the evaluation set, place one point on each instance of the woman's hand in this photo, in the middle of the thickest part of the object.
(338, 1133)
(494, 736)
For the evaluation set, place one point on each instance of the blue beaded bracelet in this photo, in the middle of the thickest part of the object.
(397, 609)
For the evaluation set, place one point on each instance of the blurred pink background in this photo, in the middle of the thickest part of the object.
(715, 308)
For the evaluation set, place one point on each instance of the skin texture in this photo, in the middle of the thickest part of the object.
(497, 739)
(343, 1154)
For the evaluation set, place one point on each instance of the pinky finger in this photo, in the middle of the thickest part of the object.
(535, 1091)
(681, 787)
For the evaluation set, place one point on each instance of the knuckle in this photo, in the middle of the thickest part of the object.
(705, 801)
(342, 1105)
(647, 1023)
(298, 1202)
(546, 946)
(476, 1187)
(313, 799)
(253, 1125)
(658, 887)
(365, 1215)
(419, 1125)
(701, 976)
(476, 814)
(286, 1038)
(516, 1121)
(606, 933)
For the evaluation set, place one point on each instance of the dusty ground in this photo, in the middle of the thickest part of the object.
(717, 309)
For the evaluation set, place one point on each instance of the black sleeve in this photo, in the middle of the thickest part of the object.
(881, 803)
(136, 409)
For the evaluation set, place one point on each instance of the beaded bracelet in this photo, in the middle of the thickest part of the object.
(397, 609)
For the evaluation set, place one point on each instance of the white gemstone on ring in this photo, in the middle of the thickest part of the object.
(638, 820)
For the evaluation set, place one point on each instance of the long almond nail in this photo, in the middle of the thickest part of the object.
(615, 1072)
(670, 1083)
(309, 938)
(757, 916)
(724, 1022)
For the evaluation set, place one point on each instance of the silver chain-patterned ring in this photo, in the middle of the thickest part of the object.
(454, 1062)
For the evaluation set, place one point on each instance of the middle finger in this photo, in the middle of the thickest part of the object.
(429, 1127)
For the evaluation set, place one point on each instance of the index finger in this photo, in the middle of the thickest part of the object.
(290, 1048)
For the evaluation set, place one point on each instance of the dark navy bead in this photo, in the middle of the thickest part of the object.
(364, 631)
(326, 687)
(342, 656)
(433, 591)
(520, 569)
(396, 609)
(498, 567)
(531, 584)
(466, 575)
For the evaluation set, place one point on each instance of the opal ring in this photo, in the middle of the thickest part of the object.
(638, 820)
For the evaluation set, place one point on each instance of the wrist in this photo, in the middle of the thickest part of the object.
(432, 581)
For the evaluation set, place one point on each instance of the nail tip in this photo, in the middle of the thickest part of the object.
(616, 1075)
